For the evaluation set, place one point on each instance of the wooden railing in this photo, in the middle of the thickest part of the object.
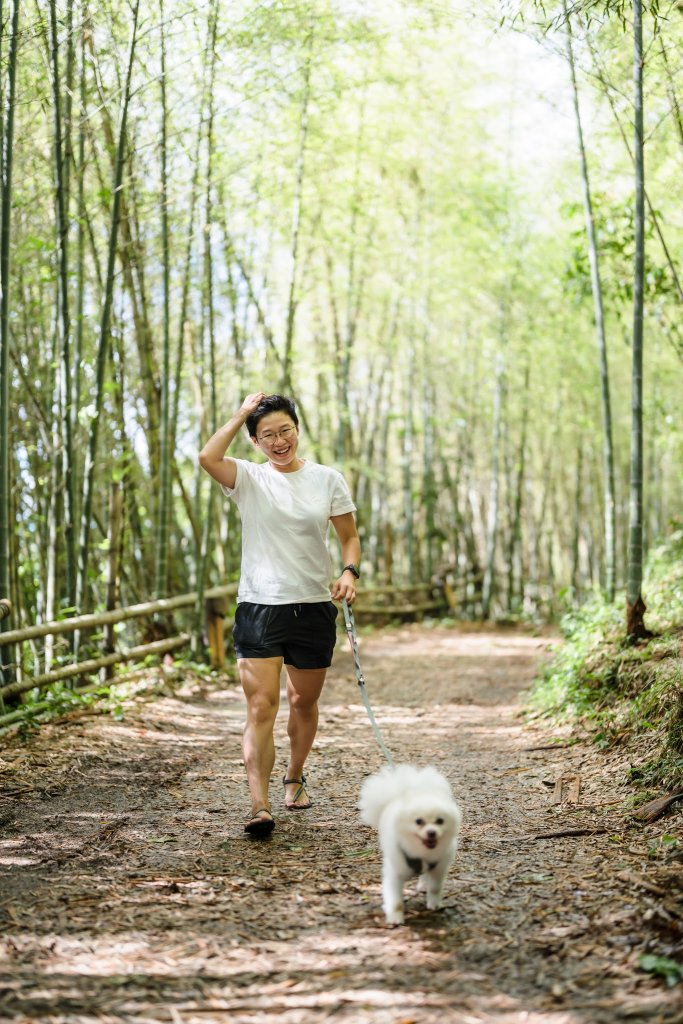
(399, 602)
(81, 623)
(382, 603)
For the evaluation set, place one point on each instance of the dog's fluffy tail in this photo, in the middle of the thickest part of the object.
(386, 785)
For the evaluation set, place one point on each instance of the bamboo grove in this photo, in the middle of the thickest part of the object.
(358, 205)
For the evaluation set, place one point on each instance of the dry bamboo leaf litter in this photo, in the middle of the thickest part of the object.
(129, 893)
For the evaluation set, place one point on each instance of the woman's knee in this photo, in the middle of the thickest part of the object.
(304, 688)
(302, 703)
(262, 707)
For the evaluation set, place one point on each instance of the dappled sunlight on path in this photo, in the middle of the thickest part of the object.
(130, 893)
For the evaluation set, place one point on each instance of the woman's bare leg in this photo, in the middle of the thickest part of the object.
(260, 678)
(304, 686)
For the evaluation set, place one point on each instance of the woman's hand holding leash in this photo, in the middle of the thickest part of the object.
(344, 589)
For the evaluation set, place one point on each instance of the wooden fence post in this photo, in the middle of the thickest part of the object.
(5, 611)
(216, 610)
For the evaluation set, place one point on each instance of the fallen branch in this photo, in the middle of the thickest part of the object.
(569, 832)
(655, 808)
(550, 746)
(548, 835)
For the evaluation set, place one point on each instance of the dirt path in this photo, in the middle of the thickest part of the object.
(129, 893)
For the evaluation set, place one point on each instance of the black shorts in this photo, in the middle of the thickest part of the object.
(303, 634)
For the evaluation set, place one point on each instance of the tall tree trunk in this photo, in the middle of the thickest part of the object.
(131, 256)
(114, 535)
(515, 575)
(353, 302)
(407, 461)
(61, 176)
(607, 446)
(379, 542)
(164, 510)
(208, 332)
(576, 537)
(296, 221)
(54, 507)
(187, 274)
(133, 570)
(104, 339)
(80, 259)
(430, 493)
(635, 606)
(6, 521)
(493, 509)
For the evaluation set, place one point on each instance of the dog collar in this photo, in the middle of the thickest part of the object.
(415, 863)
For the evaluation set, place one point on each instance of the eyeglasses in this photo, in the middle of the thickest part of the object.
(270, 438)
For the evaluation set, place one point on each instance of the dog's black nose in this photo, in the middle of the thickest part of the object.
(431, 833)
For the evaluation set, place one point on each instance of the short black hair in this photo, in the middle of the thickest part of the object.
(271, 403)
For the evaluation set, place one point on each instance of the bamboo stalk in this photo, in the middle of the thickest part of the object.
(104, 338)
(598, 312)
(635, 606)
(164, 507)
(63, 320)
(94, 664)
(296, 221)
(6, 146)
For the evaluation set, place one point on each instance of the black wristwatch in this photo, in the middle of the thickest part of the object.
(352, 568)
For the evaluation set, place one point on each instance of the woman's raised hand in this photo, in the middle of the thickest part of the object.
(252, 402)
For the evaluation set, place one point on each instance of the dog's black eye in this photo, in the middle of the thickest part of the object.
(439, 821)
(419, 821)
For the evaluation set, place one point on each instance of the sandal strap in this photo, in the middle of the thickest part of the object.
(260, 811)
(301, 783)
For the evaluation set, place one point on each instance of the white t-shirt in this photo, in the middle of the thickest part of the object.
(285, 519)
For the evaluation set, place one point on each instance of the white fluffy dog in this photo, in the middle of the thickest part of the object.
(418, 822)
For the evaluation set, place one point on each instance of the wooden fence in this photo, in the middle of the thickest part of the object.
(83, 623)
(374, 604)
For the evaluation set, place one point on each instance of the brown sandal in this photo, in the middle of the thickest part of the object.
(301, 783)
(258, 826)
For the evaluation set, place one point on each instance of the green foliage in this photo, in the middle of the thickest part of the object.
(50, 703)
(440, 229)
(614, 223)
(620, 692)
(55, 701)
(662, 966)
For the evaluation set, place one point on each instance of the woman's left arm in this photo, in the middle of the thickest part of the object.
(345, 527)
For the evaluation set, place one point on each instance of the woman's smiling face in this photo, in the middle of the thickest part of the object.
(278, 438)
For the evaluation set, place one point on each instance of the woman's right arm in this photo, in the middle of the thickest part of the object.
(212, 456)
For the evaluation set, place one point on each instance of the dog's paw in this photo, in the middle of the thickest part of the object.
(393, 911)
(434, 902)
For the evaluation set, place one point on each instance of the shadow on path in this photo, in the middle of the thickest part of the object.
(130, 893)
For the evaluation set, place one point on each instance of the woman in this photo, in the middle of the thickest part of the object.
(284, 608)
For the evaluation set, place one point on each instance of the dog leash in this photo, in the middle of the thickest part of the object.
(353, 641)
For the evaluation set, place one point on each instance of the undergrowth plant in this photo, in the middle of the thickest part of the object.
(620, 691)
